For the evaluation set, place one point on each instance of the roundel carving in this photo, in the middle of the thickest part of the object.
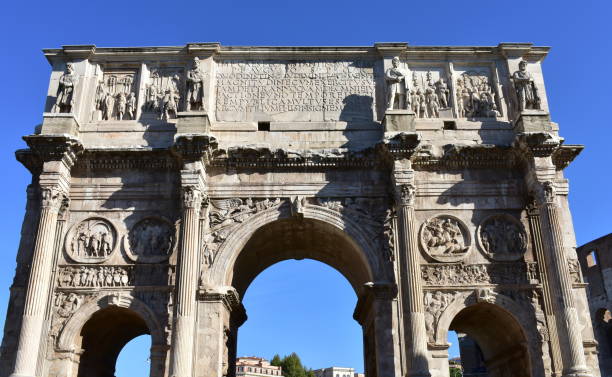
(445, 238)
(150, 240)
(502, 238)
(92, 240)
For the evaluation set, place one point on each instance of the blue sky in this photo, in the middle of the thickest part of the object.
(577, 75)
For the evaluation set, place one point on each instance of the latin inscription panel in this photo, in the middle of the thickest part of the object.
(295, 91)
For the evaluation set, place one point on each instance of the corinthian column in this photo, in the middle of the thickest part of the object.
(410, 272)
(186, 284)
(58, 155)
(568, 327)
(37, 294)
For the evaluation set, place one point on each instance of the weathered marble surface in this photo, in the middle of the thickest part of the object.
(180, 173)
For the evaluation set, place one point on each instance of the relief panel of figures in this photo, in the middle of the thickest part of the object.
(115, 97)
(476, 93)
(163, 92)
(430, 93)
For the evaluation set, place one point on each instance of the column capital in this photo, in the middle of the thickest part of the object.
(193, 197)
(54, 198)
(55, 148)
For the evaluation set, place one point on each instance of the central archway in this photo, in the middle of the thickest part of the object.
(329, 237)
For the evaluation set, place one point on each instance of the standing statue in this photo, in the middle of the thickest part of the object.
(397, 90)
(64, 101)
(195, 87)
(442, 92)
(526, 91)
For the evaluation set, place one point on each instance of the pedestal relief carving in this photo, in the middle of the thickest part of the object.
(92, 240)
(475, 95)
(445, 238)
(525, 88)
(115, 96)
(64, 102)
(502, 238)
(151, 240)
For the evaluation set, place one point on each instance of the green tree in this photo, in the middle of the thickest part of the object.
(276, 361)
(455, 372)
(292, 366)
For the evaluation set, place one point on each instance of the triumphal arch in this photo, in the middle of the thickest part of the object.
(165, 179)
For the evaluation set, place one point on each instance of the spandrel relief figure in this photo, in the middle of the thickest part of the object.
(195, 87)
(475, 97)
(525, 88)
(445, 238)
(397, 90)
(64, 102)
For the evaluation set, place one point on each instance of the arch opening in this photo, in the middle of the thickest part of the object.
(491, 342)
(298, 239)
(310, 313)
(103, 337)
(332, 241)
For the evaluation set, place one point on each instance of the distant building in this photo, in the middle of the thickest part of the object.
(596, 263)
(251, 366)
(337, 372)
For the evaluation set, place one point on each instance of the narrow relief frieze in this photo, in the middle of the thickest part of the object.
(459, 274)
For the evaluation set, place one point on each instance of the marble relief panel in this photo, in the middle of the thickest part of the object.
(115, 97)
(476, 92)
(430, 92)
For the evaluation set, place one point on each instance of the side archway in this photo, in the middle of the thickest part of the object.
(503, 330)
(99, 330)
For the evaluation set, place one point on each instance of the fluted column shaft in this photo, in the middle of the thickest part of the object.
(536, 231)
(568, 327)
(37, 294)
(186, 285)
(410, 276)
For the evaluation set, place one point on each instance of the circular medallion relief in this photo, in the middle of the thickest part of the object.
(445, 238)
(92, 240)
(502, 238)
(151, 240)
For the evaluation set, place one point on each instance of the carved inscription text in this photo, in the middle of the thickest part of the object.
(336, 89)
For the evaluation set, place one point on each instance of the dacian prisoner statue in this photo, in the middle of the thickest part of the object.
(64, 101)
(397, 90)
(151, 210)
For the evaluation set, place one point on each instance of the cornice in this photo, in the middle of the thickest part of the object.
(271, 52)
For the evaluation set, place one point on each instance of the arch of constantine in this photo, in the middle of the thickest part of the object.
(165, 179)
